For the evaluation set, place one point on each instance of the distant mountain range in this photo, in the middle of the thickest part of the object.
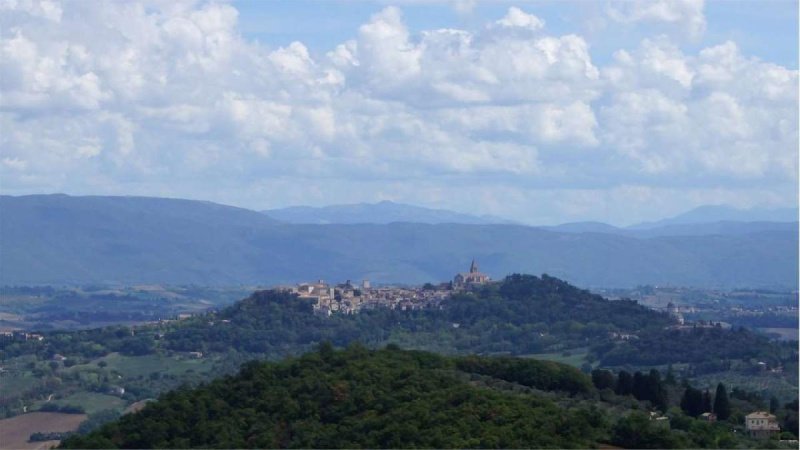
(58, 239)
(704, 220)
(689, 229)
(389, 212)
(721, 213)
(382, 212)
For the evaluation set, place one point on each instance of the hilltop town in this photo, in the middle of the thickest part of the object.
(349, 298)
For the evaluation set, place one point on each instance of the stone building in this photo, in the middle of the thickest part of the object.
(761, 424)
(471, 278)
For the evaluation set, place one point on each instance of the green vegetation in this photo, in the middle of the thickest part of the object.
(90, 402)
(522, 315)
(48, 308)
(51, 436)
(722, 406)
(393, 398)
(695, 345)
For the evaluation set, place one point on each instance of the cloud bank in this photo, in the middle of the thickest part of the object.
(168, 98)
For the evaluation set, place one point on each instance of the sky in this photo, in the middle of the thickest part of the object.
(541, 112)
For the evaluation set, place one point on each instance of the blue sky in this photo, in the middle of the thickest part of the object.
(761, 28)
(539, 111)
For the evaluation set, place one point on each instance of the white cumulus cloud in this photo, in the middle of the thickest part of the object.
(169, 98)
(687, 15)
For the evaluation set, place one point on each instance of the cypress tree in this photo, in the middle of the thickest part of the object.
(640, 386)
(670, 379)
(657, 393)
(692, 402)
(603, 379)
(624, 383)
(774, 404)
(706, 401)
(722, 406)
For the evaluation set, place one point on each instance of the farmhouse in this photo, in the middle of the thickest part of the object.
(761, 424)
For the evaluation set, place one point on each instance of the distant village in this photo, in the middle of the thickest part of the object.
(349, 298)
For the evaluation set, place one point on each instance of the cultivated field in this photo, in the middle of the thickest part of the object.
(785, 334)
(14, 432)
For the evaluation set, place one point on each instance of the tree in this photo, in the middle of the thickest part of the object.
(774, 404)
(670, 378)
(656, 392)
(722, 406)
(692, 402)
(603, 379)
(637, 431)
(706, 401)
(640, 387)
(790, 418)
(326, 350)
(624, 383)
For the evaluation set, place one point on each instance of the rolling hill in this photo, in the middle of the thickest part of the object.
(391, 398)
(58, 239)
(358, 394)
(355, 399)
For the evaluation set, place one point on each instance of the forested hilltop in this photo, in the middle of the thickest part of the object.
(391, 398)
(520, 315)
(523, 315)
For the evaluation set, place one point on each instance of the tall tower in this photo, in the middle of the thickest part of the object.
(473, 268)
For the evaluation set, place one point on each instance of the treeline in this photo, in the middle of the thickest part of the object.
(545, 375)
(694, 345)
(65, 409)
(50, 436)
(83, 343)
(645, 387)
(666, 394)
(27, 290)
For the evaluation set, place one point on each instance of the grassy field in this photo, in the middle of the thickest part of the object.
(575, 357)
(92, 402)
(88, 385)
(14, 432)
(15, 378)
(134, 366)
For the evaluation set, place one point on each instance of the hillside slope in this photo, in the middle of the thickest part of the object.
(390, 398)
(73, 240)
(522, 315)
(363, 399)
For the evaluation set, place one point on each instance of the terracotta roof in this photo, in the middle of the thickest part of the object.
(760, 415)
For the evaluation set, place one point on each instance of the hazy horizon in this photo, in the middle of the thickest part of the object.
(708, 213)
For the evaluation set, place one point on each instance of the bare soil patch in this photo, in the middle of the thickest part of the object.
(14, 432)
